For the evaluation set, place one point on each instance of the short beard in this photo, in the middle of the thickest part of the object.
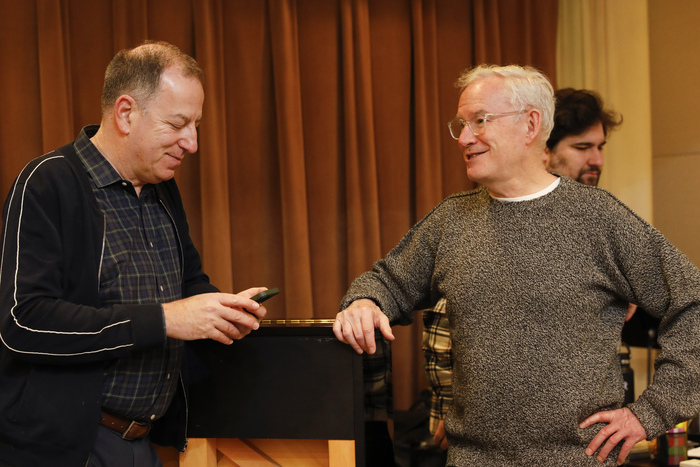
(587, 179)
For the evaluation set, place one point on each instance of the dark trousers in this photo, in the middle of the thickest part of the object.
(379, 448)
(112, 451)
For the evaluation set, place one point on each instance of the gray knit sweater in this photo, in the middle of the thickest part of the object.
(537, 293)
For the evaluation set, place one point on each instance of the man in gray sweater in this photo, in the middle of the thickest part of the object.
(574, 149)
(537, 272)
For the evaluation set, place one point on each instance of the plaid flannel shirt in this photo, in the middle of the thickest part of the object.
(141, 264)
(437, 348)
(379, 391)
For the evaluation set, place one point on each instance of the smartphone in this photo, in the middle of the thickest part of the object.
(265, 294)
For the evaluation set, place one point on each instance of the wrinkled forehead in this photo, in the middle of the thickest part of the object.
(485, 95)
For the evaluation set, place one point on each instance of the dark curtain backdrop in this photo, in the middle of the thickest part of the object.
(324, 135)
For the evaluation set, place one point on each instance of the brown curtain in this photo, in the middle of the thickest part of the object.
(323, 138)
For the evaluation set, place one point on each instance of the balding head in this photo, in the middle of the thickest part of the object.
(137, 72)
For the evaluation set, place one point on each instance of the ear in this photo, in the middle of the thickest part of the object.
(534, 123)
(124, 109)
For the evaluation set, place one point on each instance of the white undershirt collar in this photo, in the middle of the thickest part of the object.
(539, 194)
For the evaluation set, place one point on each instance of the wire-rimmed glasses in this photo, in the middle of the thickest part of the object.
(476, 123)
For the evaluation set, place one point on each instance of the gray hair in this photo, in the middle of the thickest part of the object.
(528, 88)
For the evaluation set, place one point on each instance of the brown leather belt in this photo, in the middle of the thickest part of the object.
(129, 429)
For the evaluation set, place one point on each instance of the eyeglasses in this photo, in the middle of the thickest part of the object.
(476, 123)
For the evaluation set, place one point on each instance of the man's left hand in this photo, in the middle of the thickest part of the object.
(622, 425)
(440, 436)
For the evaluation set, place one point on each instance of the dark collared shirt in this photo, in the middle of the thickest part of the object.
(140, 264)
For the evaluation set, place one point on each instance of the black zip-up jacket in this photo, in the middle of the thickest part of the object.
(55, 338)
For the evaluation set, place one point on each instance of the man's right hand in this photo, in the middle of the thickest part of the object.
(222, 317)
(355, 325)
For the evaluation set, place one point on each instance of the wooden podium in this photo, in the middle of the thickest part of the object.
(288, 394)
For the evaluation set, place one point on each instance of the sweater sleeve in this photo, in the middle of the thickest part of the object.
(666, 284)
(400, 282)
(47, 287)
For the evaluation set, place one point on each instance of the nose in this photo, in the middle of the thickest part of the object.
(188, 141)
(466, 137)
(596, 158)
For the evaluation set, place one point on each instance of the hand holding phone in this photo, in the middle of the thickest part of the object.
(265, 295)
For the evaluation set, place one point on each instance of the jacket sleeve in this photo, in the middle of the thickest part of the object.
(47, 285)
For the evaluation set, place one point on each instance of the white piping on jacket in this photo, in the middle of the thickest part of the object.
(2, 261)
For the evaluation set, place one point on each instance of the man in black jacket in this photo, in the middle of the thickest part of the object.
(100, 282)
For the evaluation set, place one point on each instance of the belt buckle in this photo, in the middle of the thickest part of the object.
(135, 424)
